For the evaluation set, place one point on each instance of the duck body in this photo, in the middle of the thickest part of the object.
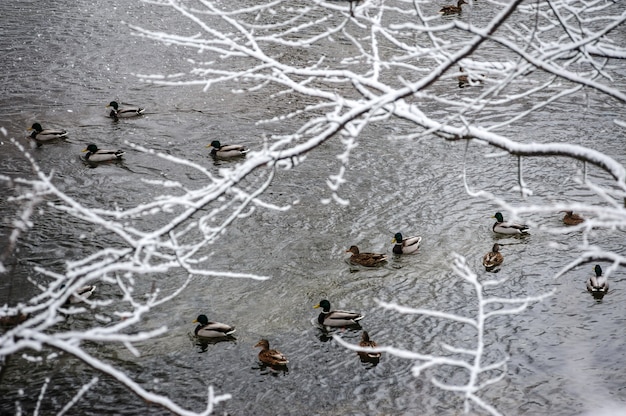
(407, 245)
(96, 155)
(597, 284)
(493, 259)
(208, 329)
(81, 294)
(123, 112)
(269, 356)
(41, 135)
(466, 80)
(366, 259)
(227, 151)
(447, 10)
(366, 342)
(572, 219)
(502, 227)
(336, 319)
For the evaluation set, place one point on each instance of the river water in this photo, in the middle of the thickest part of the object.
(65, 60)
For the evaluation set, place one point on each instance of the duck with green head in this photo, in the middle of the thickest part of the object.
(597, 284)
(208, 329)
(123, 112)
(95, 155)
(336, 319)
(41, 135)
(405, 245)
(502, 227)
(227, 151)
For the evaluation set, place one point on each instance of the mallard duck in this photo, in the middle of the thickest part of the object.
(41, 135)
(493, 259)
(366, 259)
(597, 284)
(367, 343)
(502, 227)
(466, 80)
(124, 112)
(99, 155)
(328, 318)
(572, 219)
(228, 150)
(13, 320)
(81, 294)
(270, 357)
(405, 245)
(453, 9)
(207, 329)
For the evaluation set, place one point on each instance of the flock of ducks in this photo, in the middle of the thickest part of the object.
(597, 284)
(95, 155)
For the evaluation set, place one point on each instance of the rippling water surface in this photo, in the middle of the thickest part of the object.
(63, 61)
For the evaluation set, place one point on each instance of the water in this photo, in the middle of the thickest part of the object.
(64, 62)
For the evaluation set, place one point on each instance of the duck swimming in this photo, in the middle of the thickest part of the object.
(123, 112)
(96, 155)
(493, 259)
(366, 342)
(366, 259)
(41, 135)
(406, 245)
(328, 318)
(270, 357)
(446, 10)
(572, 219)
(597, 284)
(227, 151)
(207, 329)
(502, 227)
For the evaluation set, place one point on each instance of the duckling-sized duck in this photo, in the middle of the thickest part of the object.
(446, 10)
(9, 321)
(502, 227)
(572, 219)
(336, 319)
(96, 155)
(227, 151)
(405, 245)
(270, 357)
(597, 284)
(466, 80)
(366, 259)
(366, 342)
(493, 259)
(207, 329)
(81, 294)
(41, 135)
(124, 112)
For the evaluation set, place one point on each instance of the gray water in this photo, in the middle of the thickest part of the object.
(64, 61)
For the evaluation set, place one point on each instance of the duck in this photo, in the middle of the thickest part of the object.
(328, 318)
(41, 135)
(9, 321)
(124, 112)
(597, 284)
(207, 329)
(81, 294)
(493, 259)
(270, 357)
(99, 155)
(572, 219)
(501, 227)
(366, 259)
(227, 151)
(405, 245)
(445, 10)
(366, 342)
(466, 80)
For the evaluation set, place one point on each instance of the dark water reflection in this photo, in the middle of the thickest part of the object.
(65, 61)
